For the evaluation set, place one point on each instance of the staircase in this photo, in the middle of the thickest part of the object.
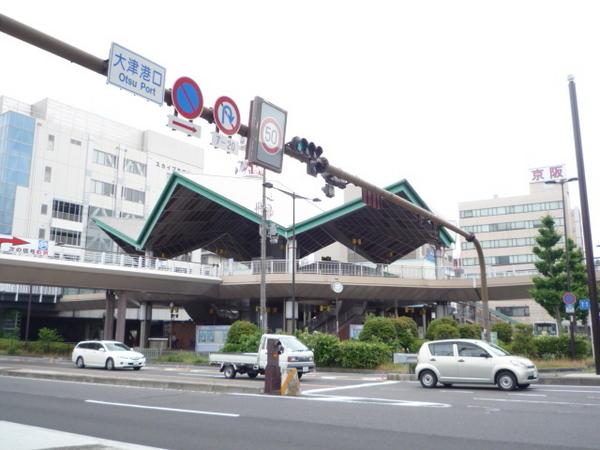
(473, 313)
(325, 322)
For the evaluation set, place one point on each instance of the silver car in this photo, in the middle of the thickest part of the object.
(471, 361)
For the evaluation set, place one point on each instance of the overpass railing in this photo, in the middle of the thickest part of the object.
(123, 260)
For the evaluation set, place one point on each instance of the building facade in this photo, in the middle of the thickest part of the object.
(507, 228)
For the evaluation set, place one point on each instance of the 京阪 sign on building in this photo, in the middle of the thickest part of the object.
(543, 174)
(136, 74)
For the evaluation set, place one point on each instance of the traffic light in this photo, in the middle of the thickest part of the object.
(310, 153)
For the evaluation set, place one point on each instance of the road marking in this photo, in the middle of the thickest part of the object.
(159, 408)
(544, 402)
(354, 400)
(352, 386)
(569, 390)
(329, 378)
(457, 392)
(531, 395)
(486, 408)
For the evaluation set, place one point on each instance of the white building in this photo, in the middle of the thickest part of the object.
(507, 228)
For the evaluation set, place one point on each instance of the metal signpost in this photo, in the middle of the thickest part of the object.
(136, 74)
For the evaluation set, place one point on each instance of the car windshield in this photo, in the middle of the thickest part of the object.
(117, 347)
(293, 344)
(498, 351)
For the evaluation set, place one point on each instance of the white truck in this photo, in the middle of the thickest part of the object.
(294, 354)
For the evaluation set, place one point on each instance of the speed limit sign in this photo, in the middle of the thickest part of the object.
(266, 135)
(270, 136)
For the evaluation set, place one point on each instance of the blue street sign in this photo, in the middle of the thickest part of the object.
(569, 298)
(584, 304)
(187, 98)
(136, 74)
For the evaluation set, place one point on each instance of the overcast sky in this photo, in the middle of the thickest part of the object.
(461, 98)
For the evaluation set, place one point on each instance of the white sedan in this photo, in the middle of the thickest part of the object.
(108, 354)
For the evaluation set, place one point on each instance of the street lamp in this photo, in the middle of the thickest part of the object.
(562, 183)
(294, 196)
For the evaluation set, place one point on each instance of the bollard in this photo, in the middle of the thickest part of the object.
(291, 384)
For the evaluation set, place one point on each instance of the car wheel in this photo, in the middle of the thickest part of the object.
(137, 368)
(80, 363)
(252, 374)
(428, 379)
(300, 375)
(523, 386)
(506, 381)
(229, 372)
(110, 364)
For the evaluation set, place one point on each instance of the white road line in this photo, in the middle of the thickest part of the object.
(531, 395)
(328, 378)
(569, 390)
(486, 408)
(352, 386)
(544, 402)
(354, 400)
(159, 408)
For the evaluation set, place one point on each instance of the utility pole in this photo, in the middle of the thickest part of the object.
(263, 258)
(585, 219)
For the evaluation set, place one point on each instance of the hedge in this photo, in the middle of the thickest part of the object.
(363, 355)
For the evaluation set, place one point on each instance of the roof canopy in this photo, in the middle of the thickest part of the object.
(189, 216)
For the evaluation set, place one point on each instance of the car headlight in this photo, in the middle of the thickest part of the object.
(516, 362)
(292, 358)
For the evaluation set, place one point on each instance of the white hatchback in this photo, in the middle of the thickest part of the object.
(108, 354)
(471, 361)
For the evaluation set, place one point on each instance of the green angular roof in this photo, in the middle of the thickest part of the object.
(188, 216)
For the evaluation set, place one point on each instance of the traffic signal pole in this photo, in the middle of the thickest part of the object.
(405, 204)
(100, 66)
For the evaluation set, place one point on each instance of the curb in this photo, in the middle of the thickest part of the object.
(150, 383)
(573, 381)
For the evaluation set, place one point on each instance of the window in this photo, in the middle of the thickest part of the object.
(103, 188)
(135, 167)
(42, 234)
(67, 237)
(514, 311)
(444, 349)
(133, 195)
(511, 209)
(44, 210)
(105, 159)
(48, 174)
(126, 215)
(471, 350)
(50, 146)
(67, 210)
(76, 142)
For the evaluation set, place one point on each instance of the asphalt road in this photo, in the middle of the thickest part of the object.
(360, 415)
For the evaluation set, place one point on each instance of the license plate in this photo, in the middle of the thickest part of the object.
(305, 369)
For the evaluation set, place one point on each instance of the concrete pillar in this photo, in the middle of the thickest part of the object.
(109, 315)
(121, 316)
(145, 320)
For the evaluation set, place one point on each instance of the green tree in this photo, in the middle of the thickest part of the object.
(552, 283)
(504, 331)
(449, 326)
(47, 336)
(406, 332)
(243, 336)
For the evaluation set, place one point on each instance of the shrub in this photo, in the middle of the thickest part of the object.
(364, 355)
(470, 331)
(47, 336)
(444, 331)
(378, 329)
(446, 323)
(13, 347)
(416, 345)
(504, 330)
(406, 332)
(551, 347)
(523, 342)
(240, 328)
(326, 347)
(246, 343)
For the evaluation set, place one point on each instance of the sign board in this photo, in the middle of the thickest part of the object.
(266, 135)
(227, 116)
(211, 338)
(226, 143)
(136, 74)
(542, 174)
(584, 304)
(187, 98)
(570, 309)
(569, 298)
(175, 123)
